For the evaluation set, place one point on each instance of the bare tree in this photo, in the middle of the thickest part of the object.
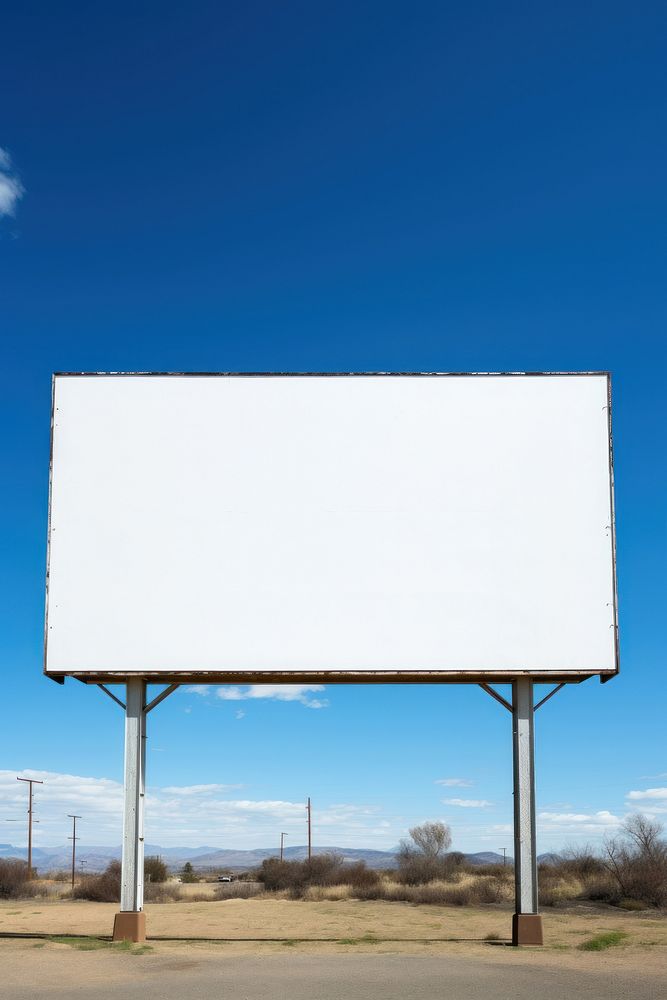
(423, 858)
(645, 834)
(431, 838)
(637, 860)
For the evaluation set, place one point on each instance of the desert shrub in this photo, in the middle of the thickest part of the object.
(637, 861)
(580, 862)
(237, 890)
(14, 882)
(380, 890)
(275, 874)
(321, 870)
(600, 889)
(59, 875)
(489, 890)
(466, 892)
(422, 858)
(188, 873)
(548, 895)
(443, 894)
(631, 904)
(155, 870)
(503, 872)
(549, 883)
(418, 870)
(163, 892)
(104, 888)
(331, 893)
(359, 876)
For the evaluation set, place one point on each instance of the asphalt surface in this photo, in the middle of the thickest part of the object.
(352, 977)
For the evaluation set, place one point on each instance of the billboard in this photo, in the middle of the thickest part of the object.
(354, 527)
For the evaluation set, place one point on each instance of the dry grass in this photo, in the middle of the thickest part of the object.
(462, 890)
(14, 881)
(265, 923)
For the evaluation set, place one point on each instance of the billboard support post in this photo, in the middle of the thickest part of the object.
(526, 922)
(130, 923)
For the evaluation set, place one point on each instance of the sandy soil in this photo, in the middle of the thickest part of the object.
(270, 925)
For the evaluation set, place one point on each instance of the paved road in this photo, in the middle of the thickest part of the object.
(349, 977)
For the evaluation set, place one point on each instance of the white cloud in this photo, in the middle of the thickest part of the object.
(11, 189)
(240, 714)
(454, 782)
(649, 793)
(179, 815)
(468, 803)
(197, 789)
(585, 822)
(276, 692)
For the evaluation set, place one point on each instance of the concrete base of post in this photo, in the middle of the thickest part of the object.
(130, 926)
(527, 928)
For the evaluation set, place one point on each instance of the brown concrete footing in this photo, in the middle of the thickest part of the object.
(130, 926)
(527, 928)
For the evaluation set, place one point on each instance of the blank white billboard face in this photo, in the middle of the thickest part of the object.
(242, 525)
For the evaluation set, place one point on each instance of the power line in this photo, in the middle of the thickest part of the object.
(310, 842)
(30, 782)
(74, 839)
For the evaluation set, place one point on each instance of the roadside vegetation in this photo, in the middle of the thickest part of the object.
(14, 881)
(629, 872)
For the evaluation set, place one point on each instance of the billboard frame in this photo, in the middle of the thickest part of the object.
(333, 676)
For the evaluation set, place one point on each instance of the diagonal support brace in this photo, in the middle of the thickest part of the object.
(162, 695)
(498, 697)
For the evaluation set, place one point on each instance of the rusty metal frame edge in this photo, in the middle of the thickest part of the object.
(60, 679)
(612, 509)
(332, 677)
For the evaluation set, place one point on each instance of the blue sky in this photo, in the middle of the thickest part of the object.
(366, 186)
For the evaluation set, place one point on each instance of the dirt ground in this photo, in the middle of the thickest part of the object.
(241, 926)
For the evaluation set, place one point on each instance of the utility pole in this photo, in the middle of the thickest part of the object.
(310, 840)
(74, 839)
(30, 782)
(282, 840)
(504, 850)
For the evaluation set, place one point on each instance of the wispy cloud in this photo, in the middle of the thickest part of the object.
(648, 794)
(197, 789)
(302, 693)
(584, 822)
(454, 782)
(468, 803)
(276, 692)
(11, 189)
(178, 815)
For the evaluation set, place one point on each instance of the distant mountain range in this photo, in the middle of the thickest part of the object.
(95, 859)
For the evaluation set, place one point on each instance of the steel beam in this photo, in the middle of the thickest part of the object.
(130, 922)
(527, 924)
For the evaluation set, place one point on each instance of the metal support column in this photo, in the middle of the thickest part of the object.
(527, 923)
(130, 923)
